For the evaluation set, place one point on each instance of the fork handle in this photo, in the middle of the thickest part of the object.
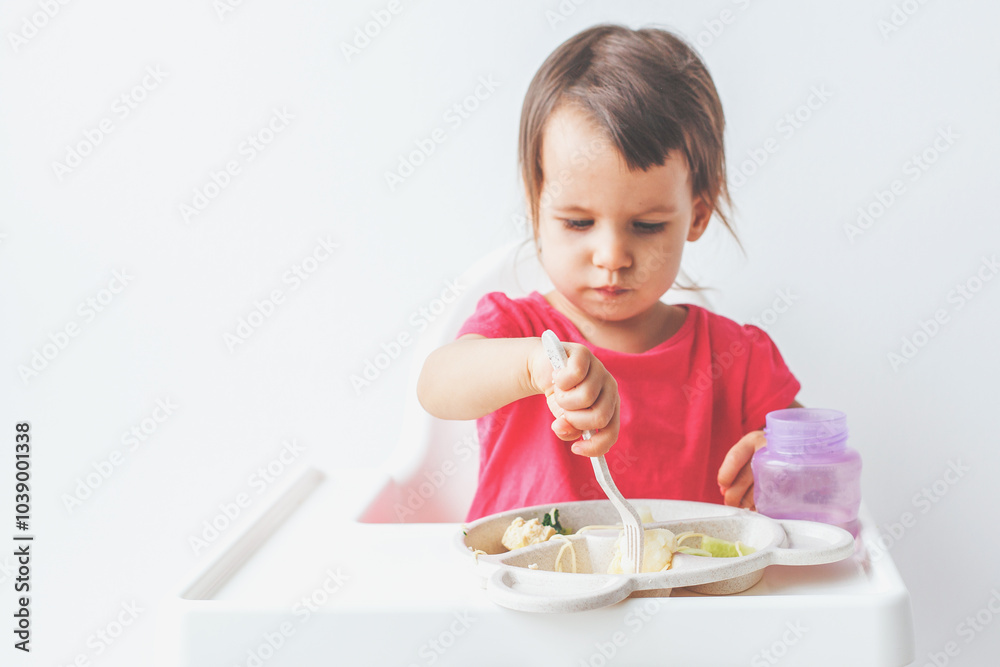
(556, 353)
(603, 475)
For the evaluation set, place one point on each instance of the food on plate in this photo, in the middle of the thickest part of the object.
(659, 546)
(521, 533)
(568, 546)
(552, 519)
(716, 548)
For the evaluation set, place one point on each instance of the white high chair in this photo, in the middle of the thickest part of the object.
(434, 469)
(375, 551)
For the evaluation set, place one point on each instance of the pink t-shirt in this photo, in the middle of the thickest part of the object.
(684, 404)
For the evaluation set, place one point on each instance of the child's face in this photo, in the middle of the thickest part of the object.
(610, 238)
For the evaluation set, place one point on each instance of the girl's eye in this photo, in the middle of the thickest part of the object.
(577, 224)
(649, 227)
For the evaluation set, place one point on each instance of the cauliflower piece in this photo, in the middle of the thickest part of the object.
(521, 533)
(658, 552)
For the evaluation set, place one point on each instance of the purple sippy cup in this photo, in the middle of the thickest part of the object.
(807, 471)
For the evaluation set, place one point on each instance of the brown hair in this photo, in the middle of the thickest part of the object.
(648, 91)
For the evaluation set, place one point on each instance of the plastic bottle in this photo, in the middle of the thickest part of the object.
(807, 471)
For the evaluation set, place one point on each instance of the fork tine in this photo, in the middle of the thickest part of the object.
(635, 548)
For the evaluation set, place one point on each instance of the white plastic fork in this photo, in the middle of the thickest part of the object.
(631, 524)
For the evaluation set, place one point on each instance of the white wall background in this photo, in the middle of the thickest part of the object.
(162, 336)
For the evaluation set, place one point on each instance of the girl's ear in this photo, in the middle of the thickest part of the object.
(700, 216)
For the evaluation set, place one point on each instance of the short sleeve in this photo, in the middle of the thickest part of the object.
(770, 385)
(496, 316)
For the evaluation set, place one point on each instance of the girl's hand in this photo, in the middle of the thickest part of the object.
(584, 397)
(735, 476)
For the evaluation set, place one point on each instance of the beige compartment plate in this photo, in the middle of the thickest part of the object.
(525, 579)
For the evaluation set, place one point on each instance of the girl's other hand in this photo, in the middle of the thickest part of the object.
(584, 397)
(735, 476)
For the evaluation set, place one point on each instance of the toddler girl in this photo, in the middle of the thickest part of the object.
(621, 153)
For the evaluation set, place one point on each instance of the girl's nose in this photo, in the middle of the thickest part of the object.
(611, 251)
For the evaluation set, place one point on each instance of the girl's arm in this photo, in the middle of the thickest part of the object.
(475, 375)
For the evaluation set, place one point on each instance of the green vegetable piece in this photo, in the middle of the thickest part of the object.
(694, 552)
(723, 549)
(553, 520)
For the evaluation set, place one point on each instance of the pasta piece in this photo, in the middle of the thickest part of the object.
(568, 546)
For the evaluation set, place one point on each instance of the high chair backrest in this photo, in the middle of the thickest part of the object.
(434, 468)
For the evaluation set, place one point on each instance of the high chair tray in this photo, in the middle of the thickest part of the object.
(307, 584)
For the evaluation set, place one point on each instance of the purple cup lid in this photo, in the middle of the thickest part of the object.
(803, 430)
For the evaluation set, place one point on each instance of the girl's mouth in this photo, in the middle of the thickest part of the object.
(609, 291)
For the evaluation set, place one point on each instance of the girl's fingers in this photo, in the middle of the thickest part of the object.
(599, 444)
(584, 397)
(736, 475)
(739, 456)
(736, 458)
(602, 439)
(554, 407)
(580, 397)
(582, 420)
(587, 406)
(594, 416)
(577, 386)
(577, 367)
(738, 489)
(565, 431)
